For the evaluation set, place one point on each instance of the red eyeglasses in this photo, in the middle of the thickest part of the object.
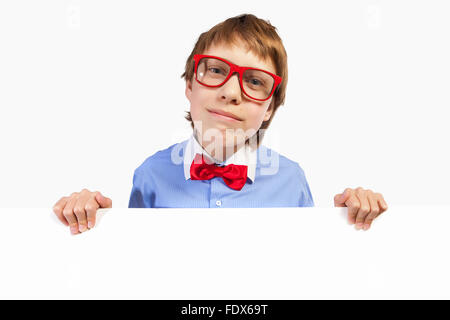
(257, 84)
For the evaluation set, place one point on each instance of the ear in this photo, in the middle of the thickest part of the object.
(269, 111)
(188, 90)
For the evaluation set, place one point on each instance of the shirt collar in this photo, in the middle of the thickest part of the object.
(244, 156)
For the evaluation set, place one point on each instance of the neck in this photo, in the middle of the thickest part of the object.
(219, 152)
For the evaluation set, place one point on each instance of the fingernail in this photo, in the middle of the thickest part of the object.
(74, 229)
(366, 227)
(83, 228)
(358, 226)
(90, 224)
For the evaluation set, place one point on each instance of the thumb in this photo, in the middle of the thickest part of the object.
(103, 201)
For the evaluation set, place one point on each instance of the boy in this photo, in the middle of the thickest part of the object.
(236, 79)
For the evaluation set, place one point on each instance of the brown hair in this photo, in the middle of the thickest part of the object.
(261, 38)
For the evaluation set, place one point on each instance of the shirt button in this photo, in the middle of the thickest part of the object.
(218, 203)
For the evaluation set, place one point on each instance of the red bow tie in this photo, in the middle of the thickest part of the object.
(233, 175)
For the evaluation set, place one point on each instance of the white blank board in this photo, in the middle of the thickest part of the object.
(270, 253)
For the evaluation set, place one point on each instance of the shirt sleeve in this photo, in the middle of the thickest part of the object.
(142, 193)
(306, 198)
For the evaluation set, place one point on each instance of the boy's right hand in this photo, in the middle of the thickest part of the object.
(79, 209)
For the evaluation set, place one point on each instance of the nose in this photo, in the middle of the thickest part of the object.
(231, 90)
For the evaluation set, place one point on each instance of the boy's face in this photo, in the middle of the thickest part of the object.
(206, 102)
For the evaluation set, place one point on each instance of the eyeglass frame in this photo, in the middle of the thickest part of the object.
(240, 70)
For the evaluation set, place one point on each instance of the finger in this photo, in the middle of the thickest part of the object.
(58, 210)
(103, 201)
(340, 198)
(336, 200)
(69, 214)
(353, 206)
(364, 208)
(374, 210)
(91, 211)
(79, 210)
(382, 203)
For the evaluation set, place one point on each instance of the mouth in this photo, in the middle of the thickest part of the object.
(224, 115)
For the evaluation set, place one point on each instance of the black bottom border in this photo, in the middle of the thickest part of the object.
(224, 309)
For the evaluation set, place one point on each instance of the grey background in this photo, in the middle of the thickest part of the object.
(84, 98)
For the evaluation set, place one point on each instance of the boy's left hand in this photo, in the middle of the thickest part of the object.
(363, 206)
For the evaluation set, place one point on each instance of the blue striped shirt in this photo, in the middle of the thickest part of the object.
(163, 181)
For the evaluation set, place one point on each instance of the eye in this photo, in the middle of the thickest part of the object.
(216, 70)
(255, 82)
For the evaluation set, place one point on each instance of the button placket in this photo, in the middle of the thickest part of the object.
(215, 201)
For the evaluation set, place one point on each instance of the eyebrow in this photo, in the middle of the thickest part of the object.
(265, 69)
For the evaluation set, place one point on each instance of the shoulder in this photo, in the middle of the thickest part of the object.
(171, 156)
(289, 174)
(270, 158)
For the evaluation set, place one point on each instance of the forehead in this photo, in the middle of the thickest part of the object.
(239, 54)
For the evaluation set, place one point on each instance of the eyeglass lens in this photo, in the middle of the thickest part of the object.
(213, 72)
